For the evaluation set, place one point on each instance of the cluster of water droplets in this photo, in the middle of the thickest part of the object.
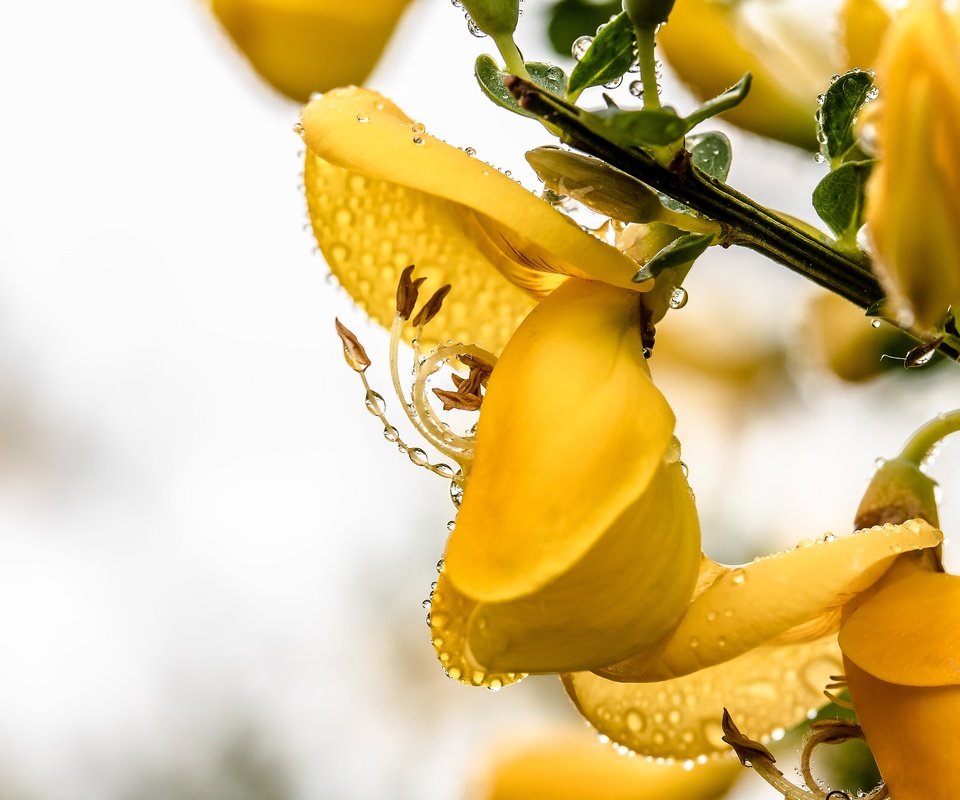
(865, 135)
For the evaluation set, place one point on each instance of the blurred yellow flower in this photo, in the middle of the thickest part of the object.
(901, 650)
(305, 46)
(574, 766)
(759, 640)
(790, 49)
(913, 197)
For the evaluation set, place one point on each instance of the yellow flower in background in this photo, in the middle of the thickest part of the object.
(759, 640)
(789, 46)
(901, 650)
(913, 197)
(305, 46)
(575, 766)
(383, 193)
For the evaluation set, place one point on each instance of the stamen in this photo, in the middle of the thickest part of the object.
(407, 292)
(432, 307)
(353, 351)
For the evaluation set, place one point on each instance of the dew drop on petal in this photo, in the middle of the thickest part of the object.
(678, 297)
(580, 47)
(636, 88)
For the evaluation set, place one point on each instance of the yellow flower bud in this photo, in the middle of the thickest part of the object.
(305, 46)
(913, 198)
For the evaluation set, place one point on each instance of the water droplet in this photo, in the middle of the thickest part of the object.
(425, 603)
(819, 158)
(694, 642)
(375, 403)
(456, 3)
(678, 297)
(873, 93)
(636, 721)
(820, 99)
(418, 129)
(647, 352)
(361, 117)
(727, 613)
(688, 765)
(418, 140)
(580, 47)
(391, 434)
(470, 151)
(473, 27)
(712, 616)
(722, 641)
(508, 173)
(433, 586)
(298, 129)
(829, 538)
(636, 88)
(496, 685)
(875, 323)
(672, 454)
(418, 456)
(739, 577)
(427, 619)
(451, 525)
(614, 83)
(456, 493)
(634, 67)
(440, 565)
(685, 469)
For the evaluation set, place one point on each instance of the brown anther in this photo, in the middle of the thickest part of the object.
(432, 307)
(473, 363)
(458, 400)
(747, 750)
(353, 351)
(407, 292)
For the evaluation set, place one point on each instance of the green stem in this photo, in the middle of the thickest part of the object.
(922, 444)
(744, 221)
(512, 57)
(646, 58)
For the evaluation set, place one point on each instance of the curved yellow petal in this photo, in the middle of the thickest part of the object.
(702, 44)
(742, 607)
(908, 633)
(449, 612)
(575, 766)
(523, 239)
(765, 689)
(304, 46)
(863, 25)
(572, 520)
(912, 733)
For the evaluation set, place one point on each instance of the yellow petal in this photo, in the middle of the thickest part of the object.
(743, 607)
(863, 23)
(449, 612)
(701, 43)
(304, 46)
(378, 198)
(765, 689)
(575, 766)
(912, 733)
(575, 537)
(908, 632)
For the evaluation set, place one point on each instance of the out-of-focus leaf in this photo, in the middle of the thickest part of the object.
(571, 19)
(839, 198)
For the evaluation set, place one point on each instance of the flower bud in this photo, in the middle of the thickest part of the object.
(494, 17)
(899, 491)
(647, 13)
(913, 210)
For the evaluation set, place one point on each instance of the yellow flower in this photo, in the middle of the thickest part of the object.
(913, 197)
(791, 56)
(759, 640)
(901, 651)
(572, 549)
(305, 46)
(575, 767)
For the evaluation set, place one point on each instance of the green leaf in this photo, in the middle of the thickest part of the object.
(610, 55)
(636, 128)
(712, 152)
(680, 251)
(837, 112)
(596, 184)
(839, 198)
(490, 77)
(570, 18)
(722, 102)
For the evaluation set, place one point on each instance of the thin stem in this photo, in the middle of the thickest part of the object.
(511, 55)
(646, 58)
(924, 441)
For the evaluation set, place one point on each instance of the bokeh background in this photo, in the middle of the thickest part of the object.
(211, 564)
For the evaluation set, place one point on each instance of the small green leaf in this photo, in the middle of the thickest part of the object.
(839, 198)
(596, 184)
(712, 152)
(837, 112)
(722, 102)
(490, 77)
(680, 251)
(570, 18)
(610, 55)
(636, 128)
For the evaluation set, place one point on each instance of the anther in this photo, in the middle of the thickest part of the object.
(407, 292)
(356, 357)
(432, 307)
(465, 401)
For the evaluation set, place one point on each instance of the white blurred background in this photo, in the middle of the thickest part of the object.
(211, 564)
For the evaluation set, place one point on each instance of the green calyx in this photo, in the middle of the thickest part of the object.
(494, 17)
(899, 491)
(648, 13)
